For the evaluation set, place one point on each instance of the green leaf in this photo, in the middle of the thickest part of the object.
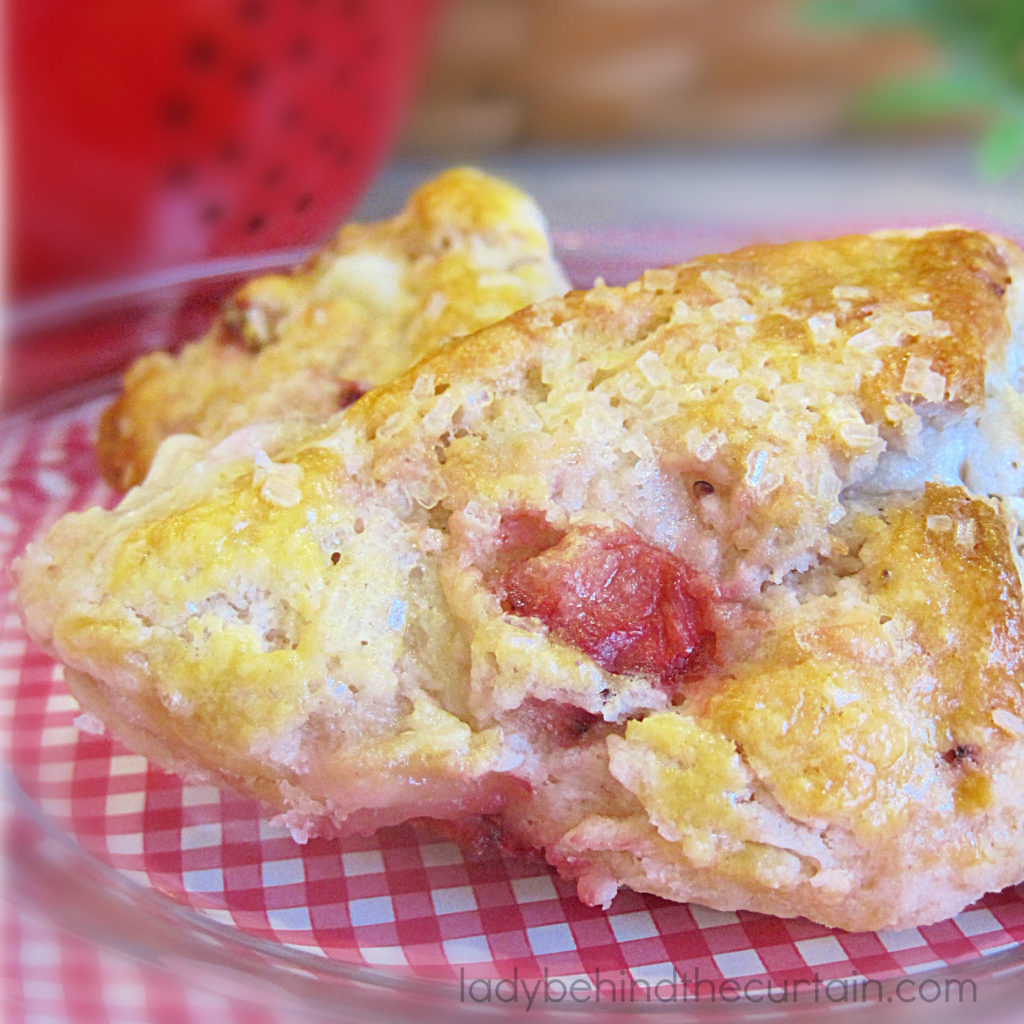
(851, 13)
(1001, 149)
(926, 96)
(983, 41)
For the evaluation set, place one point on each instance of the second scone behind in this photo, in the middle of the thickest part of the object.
(467, 250)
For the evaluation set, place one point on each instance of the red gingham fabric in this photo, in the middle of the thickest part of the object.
(50, 975)
(392, 907)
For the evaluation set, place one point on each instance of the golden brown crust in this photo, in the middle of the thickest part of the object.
(828, 437)
(959, 277)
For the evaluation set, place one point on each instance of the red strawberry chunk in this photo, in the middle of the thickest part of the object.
(629, 605)
(523, 535)
(348, 392)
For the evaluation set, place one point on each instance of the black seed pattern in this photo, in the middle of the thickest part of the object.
(231, 151)
(177, 111)
(252, 10)
(351, 8)
(211, 213)
(178, 174)
(250, 76)
(274, 175)
(300, 50)
(202, 52)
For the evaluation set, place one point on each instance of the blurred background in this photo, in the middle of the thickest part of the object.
(762, 118)
(147, 135)
(507, 74)
(143, 136)
(165, 138)
(755, 113)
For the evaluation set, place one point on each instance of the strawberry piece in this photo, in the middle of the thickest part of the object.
(523, 535)
(629, 605)
(349, 391)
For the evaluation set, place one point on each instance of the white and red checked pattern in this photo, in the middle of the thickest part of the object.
(395, 904)
(394, 900)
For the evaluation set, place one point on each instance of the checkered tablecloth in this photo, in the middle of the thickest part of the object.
(388, 913)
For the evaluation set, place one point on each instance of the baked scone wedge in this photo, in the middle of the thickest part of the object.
(468, 249)
(709, 586)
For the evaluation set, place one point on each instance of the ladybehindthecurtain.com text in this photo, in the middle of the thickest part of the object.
(620, 987)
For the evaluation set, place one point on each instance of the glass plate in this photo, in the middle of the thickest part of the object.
(399, 925)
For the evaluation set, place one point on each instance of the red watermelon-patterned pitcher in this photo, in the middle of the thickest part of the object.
(147, 135)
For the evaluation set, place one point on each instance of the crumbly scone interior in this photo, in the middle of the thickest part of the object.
(467, 250)
(827, 437)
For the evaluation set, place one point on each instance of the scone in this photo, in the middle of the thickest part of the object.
(709, 586)
(467, 250)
